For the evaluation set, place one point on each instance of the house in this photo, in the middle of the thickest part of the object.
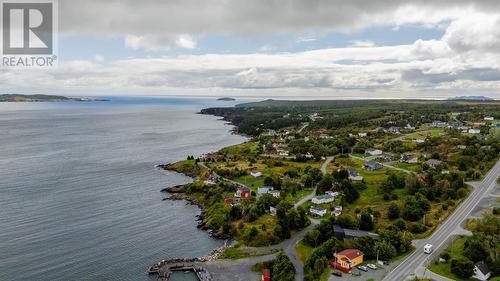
(284, 153)
(309, 155)
(317, 211)
(214, 156)
(275, 193)
(337, 211)
(353, 175)
(272, 211)
(243, 192)
(418, 140)
(323, 199)
(489, 118)
(349, 234)
(362, 135)
(325, 136)
(212, 180)
(394, 130)
(409, 127)
(481, 271)
(230, 199)
(474, 131)
(433, 162)
(408, 158)
(254, 173)
(266, 275)
(347, 259)
(438, 124)
(263, 190)
(455, 124)
(332, 193)
(387, 156)
(373, 151)
(372, 166)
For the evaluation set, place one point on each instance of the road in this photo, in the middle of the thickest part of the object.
(302, 128)
(310, 196)
(417, 261)
(289, 247)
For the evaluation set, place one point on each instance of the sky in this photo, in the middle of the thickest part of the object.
(271, 48)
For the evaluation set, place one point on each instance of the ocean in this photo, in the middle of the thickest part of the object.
(79, 195)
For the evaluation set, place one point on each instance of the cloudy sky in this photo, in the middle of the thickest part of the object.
(271, 48)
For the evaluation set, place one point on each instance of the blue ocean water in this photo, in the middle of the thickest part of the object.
(79, 196)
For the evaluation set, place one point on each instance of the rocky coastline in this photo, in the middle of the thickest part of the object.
(177, 192)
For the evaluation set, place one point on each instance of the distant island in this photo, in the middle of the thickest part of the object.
(41, 98)
(479, 98)
(226, 99)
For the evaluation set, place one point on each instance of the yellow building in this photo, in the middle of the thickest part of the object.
(347, 259)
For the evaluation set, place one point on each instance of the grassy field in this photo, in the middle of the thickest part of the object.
(240, 252)
(303, 251)
(407, 166)
(455, 250)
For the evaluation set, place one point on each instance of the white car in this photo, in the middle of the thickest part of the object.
(372, 266)
(428, 248)
(363, 268)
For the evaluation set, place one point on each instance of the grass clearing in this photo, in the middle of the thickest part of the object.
(455, 250)
(303, 251)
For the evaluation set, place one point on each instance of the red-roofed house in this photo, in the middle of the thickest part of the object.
(243, 192)
(347, 259)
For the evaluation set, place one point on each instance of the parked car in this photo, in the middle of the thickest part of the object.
(363, 268)
(337, 273)
(372, 266)
(355, 272)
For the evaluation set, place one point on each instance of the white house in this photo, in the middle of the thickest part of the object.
(373, 151)
(474, 131)
(272, 211)
(309, 155)
(263, 190)
(489, 118)
(354, 175)
(332, 193)
(254, 173)
(317, 211)
(481, 271)
(323, 199)
(275, 193)
(337, 211)
(362, 135)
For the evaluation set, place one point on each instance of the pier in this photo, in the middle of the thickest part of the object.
(165, 268)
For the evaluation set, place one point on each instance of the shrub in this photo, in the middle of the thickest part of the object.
(418, 228)
(445, 256)
(462, 268)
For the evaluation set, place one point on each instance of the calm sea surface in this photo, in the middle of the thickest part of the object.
(79, 196)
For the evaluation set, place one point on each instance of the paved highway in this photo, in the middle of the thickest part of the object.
(416, 262)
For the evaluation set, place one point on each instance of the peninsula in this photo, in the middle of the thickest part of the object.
(323, 177)
(42, 98)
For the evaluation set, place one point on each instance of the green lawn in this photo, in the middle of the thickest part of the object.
(240, 252)
(455, 249)
(303, 251)
(298, 195)
(407, 166)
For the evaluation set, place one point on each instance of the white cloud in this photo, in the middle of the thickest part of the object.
(152, 42)
(362, 43)
(466, 58)
(155, 24)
